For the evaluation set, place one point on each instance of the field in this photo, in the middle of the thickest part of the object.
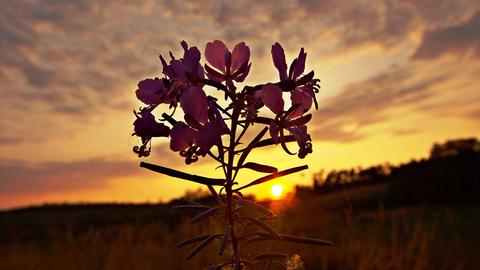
(368, 233)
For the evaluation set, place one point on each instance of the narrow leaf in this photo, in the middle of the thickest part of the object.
(215, 194)
(268, 142)
(219, 266)
(200, 247)
(260, 167)
(263, 226)
(274, 175)
(204, 214)
(192, 240)
(190, 207)
(182, 175)
(301, 121)
(262, 120)
(237, 263)
(267, 265)
(270, 255)
(256, 207)
(226, 237)
(306, 79)
(251, 145)
(304, 240)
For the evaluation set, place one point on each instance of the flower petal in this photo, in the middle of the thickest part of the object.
(299, 133)
(240, 56)
(272, 98)
(194, 102)
(182, 136)
(241, 77)
(178, 68)
(209, 135)
(150, 91)
(274, 130)
(147, 127)
(300, 65)
(278, 56)
(215, 54)
(303, 100)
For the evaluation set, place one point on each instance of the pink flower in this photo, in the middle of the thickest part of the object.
(228, 65)
(182, 73)
(290, 120)
(196, 138)
(146, 127)
(292, 80)
(151, 91)
(194, 103)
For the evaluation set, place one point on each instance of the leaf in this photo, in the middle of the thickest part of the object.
(219, 266)
(270, 255)
(250, 146)
(190, 207)
(260, 167)
(204, 214)
(182, 175)
(262, 120)
(263, 226)
(306, 79)
(192, 240)
(301, 121)
(273, 176)
(267, 265)
(200, 247)
(226, 237)
(215, 194)
(237, 265)
(256, 207)
(304, 240)
(268, 142)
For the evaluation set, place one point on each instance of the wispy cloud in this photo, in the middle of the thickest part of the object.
(459, 39)
(69, 68)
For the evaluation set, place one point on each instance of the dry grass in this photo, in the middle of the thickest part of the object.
(401, 238)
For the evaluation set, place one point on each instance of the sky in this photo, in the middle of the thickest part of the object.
(396, 76)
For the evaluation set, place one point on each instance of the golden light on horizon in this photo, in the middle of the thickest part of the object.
(277, 190)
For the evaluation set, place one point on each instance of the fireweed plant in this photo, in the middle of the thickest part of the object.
(206, 128)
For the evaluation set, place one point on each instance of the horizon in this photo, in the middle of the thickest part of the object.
(396, 78)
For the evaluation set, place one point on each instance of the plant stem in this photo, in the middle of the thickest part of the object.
(229, 184)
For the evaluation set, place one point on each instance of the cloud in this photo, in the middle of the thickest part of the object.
(23, 178)
(458, 40)
(20, 177)
(77, 60)
(343, 117)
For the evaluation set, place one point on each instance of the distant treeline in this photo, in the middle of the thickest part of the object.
(451, 172)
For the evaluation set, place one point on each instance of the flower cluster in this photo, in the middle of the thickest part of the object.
(209, 126)
(202, 124)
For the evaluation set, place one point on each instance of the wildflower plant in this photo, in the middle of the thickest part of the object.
(216, 127)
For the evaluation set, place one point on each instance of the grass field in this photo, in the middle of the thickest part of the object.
(367, 234)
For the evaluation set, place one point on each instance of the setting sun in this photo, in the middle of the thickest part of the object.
(277, 190)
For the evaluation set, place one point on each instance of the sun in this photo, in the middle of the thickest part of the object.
(277, 190)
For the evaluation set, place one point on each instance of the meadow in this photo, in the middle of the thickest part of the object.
(366, 235)
(419, 215)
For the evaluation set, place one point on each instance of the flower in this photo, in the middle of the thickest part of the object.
(292, 80)
(182, 73)
(291, 120)
(195, 138)
(151, 91)
(146, 127)
(194, 103)
(229, 65)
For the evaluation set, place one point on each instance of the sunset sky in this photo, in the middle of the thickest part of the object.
(396, 76)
